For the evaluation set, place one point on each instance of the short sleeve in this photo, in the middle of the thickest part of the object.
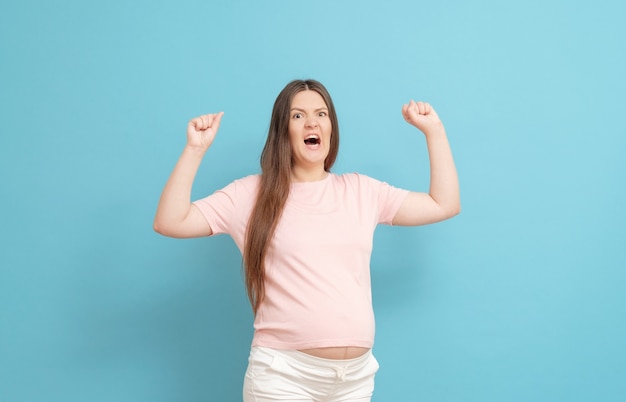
(226, 208)
(390, 199)
(385, 197)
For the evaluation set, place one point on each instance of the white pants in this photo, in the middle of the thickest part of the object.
(286, 375)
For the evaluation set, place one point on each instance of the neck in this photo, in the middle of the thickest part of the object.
(299, 175)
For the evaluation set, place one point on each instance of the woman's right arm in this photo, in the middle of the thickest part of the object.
(176, 216)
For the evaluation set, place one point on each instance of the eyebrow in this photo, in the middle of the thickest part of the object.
(302, 110)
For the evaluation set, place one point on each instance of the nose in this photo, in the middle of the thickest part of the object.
(311, 122)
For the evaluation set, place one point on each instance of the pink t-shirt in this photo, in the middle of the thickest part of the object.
(318, 291)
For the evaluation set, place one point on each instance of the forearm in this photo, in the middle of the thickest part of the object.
(443, 200)
(444, 182)
(175, 201)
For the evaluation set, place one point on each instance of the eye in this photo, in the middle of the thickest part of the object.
(323, 114)
(297, 116)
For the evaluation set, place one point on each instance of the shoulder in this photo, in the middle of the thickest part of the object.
(356, 179)
(247, 183)
(367, 185)
(239, 189)
(362, 186)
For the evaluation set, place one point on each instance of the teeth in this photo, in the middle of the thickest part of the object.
(311, 140)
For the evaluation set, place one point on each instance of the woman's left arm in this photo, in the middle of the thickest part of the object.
(443, 199)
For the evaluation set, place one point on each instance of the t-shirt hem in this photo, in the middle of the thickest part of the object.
(361, 343)
(396, 207)
(209, 218)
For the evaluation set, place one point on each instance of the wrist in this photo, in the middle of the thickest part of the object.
(195, 151)
(437, 131)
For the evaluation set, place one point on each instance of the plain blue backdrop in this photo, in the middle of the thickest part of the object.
(522, 297)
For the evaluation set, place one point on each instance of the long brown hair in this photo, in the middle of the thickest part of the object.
(275, 181)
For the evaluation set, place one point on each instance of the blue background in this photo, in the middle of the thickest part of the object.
(520, 298)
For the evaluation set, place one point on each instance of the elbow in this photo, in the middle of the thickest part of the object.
(161, 229)
(456, 210)
(453, 210)
(174, 230)
(157, 228)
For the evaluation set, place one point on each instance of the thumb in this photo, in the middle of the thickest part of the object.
(217, 121)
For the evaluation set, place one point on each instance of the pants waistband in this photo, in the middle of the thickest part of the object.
(319, 362)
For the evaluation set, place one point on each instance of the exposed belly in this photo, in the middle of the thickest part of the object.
(336, 353)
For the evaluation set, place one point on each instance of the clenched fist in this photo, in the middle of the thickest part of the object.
(201, 130)
(422, 116)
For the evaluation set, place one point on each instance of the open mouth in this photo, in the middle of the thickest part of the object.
(312, 140)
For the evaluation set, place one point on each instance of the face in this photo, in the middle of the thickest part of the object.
(310, 130)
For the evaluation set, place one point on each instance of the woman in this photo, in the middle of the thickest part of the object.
(306, 238)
